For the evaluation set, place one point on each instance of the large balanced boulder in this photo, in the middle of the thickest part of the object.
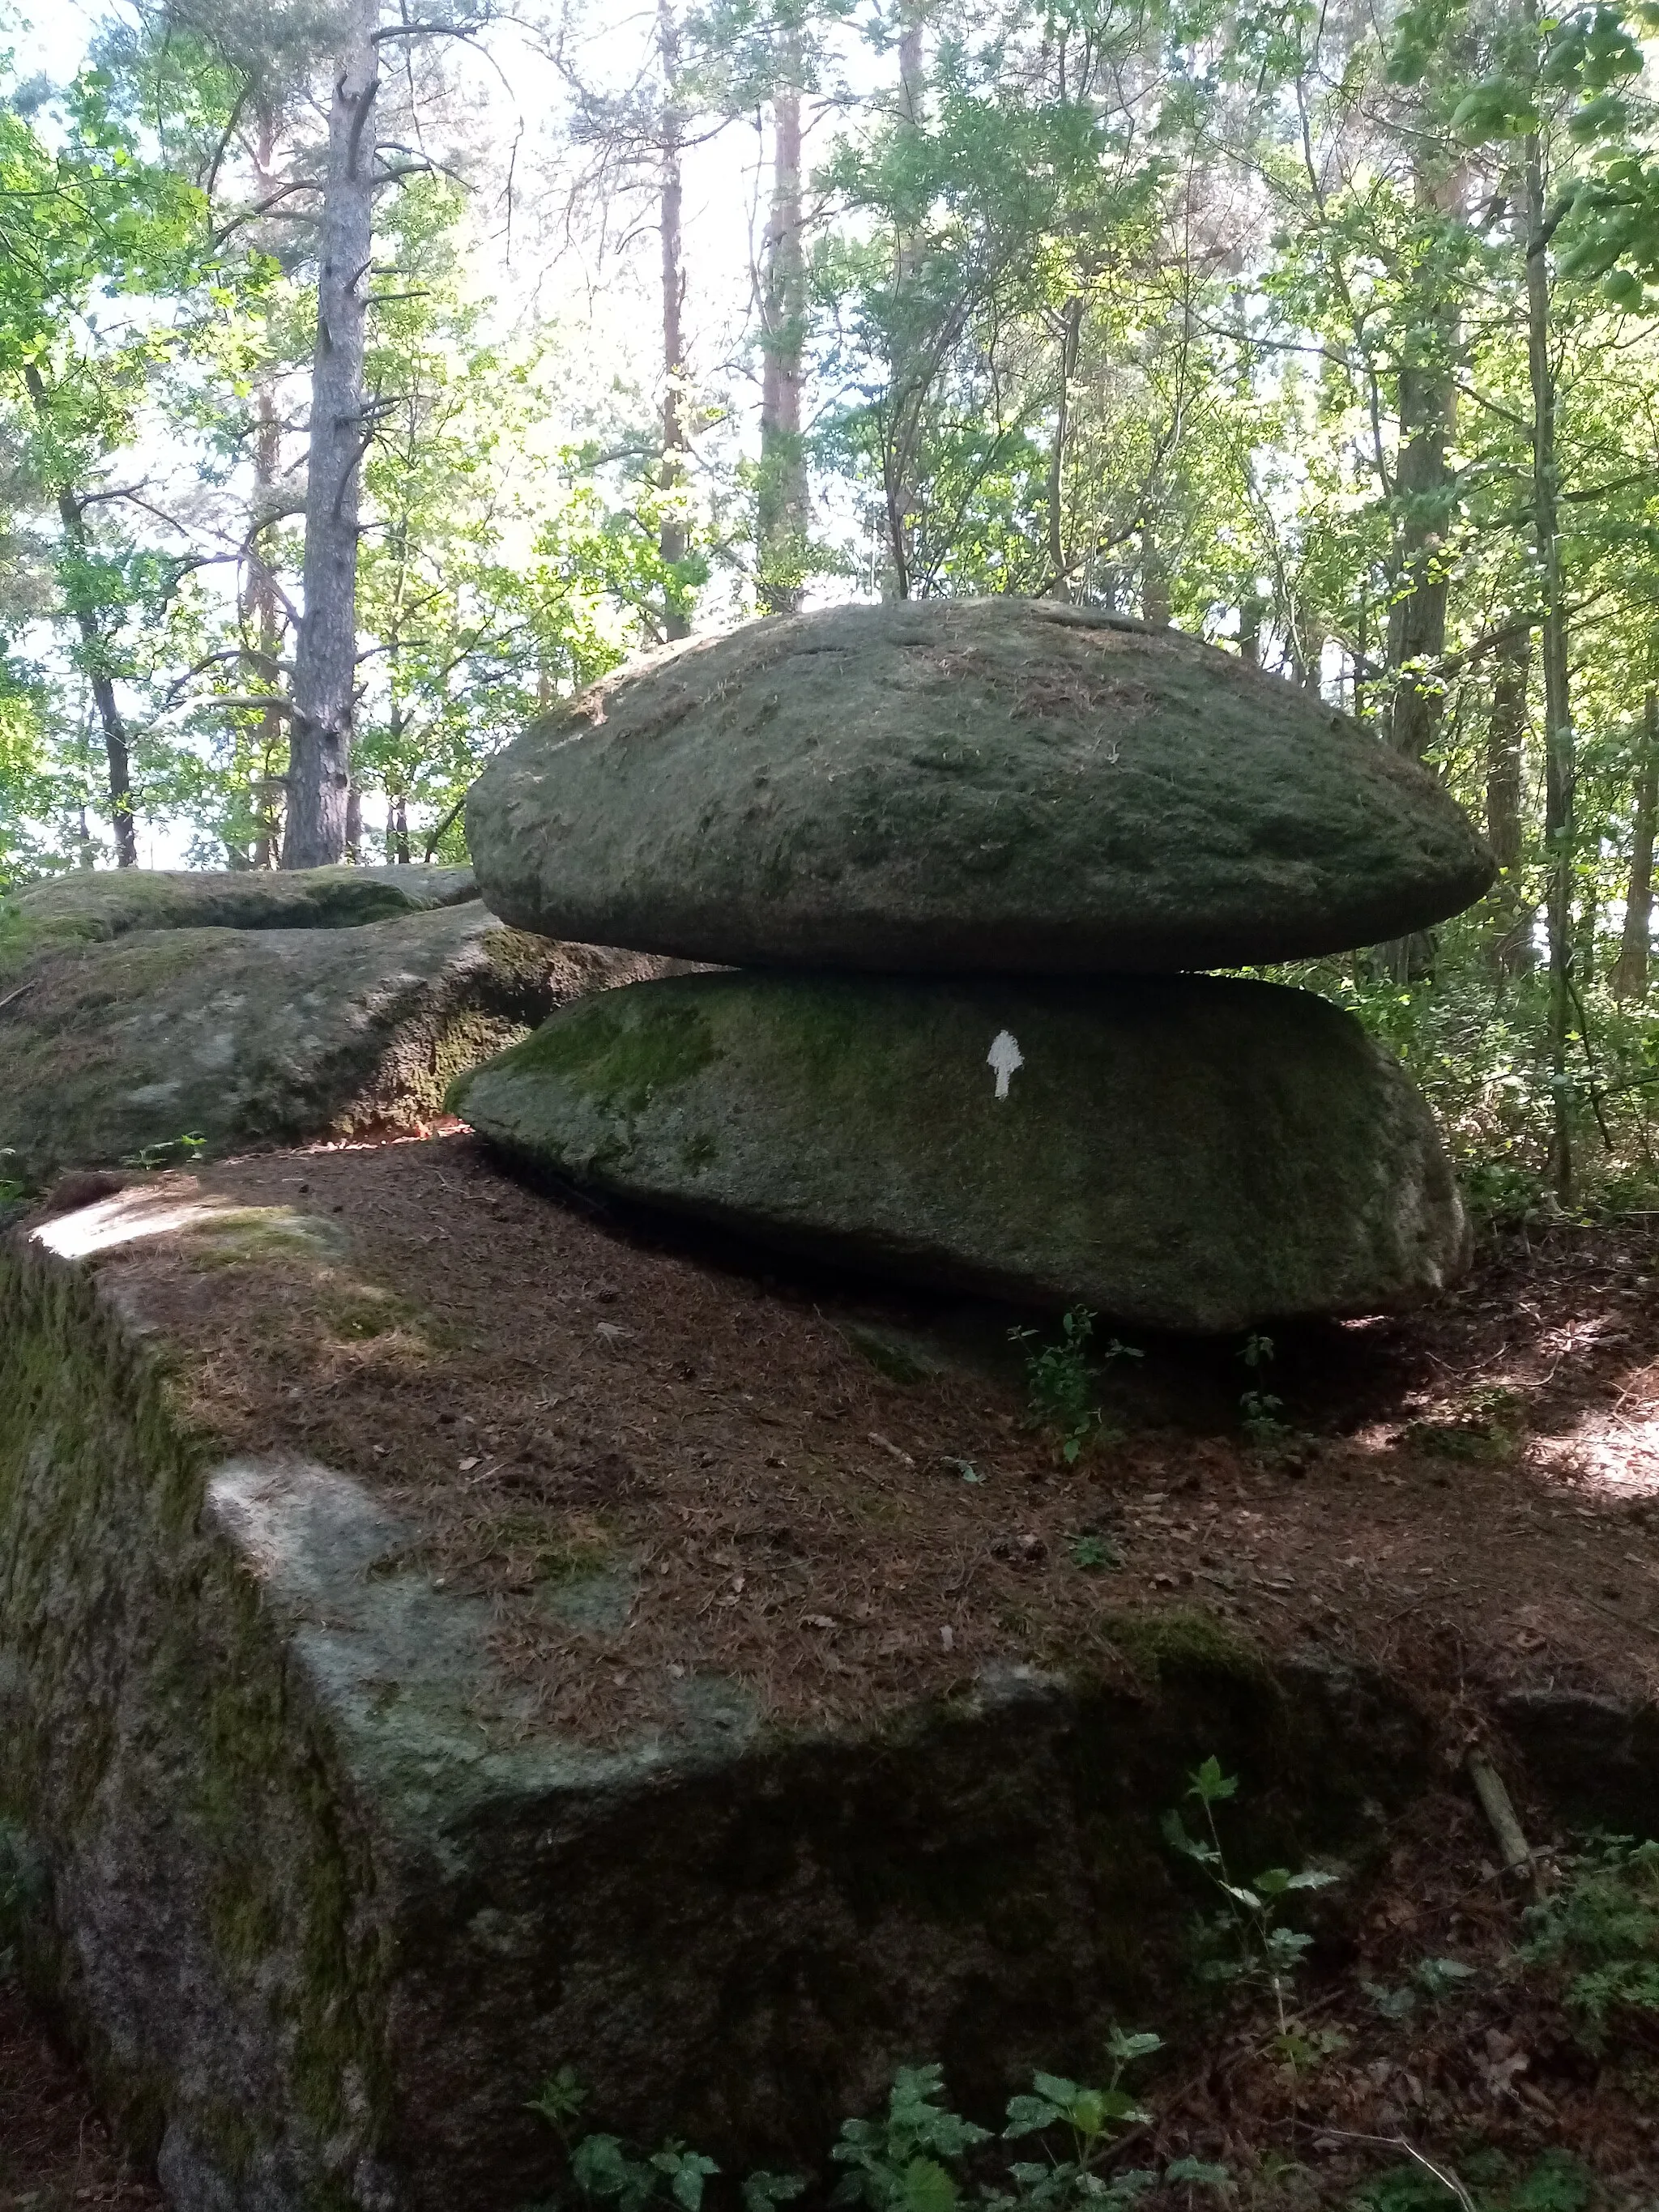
(995, 786)
(140, 1009)
(1185, 1152)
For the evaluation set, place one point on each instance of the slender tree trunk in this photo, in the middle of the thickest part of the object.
(672, 537)
(397, 830)
(1154, 582)
(1071, 336)
(1629, 971)
(1427, 399)
(96, 647)
(906, 385)
(1509, 947)
(1250, 612)
(266, 782)
(1560, 766)
(325, 660)
(782, 510)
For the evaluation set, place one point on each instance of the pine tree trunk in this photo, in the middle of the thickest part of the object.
(266, 781)
(672, 535)
(1560, 766)
(1509, 949)
(1630, 971)
(94, 646)
(1154, 583)
(1427, 401)
(1071, 334)
(781, 511)
(906, 397)
(325, 659)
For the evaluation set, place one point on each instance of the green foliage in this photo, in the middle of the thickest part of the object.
(1060, 1380)
(1601, 1928)
(901, 2163)
(1259, 1409)
(1556, 2182)
(1246, 1943)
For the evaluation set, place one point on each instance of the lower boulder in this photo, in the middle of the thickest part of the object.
(1184, 1153)
(138, 1010)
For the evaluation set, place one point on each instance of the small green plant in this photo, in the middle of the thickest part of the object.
(1246, 1941)
(166, 1152)
(1259, 1410)
(901, 2163)
(1092, 1552)
(1060, 1381)
(1089, 2124)
(1602, 1925)
(910, 2159)
(605, 2169)
(1435, 1980)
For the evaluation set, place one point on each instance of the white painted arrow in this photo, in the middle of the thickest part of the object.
(1005, 1057)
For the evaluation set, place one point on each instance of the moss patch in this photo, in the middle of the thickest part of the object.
(619, 1052)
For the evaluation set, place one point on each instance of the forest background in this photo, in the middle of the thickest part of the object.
(510, 340)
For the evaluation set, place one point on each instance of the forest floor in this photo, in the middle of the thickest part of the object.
(839, 1498)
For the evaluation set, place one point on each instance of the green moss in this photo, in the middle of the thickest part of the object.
(618, 1051)
(91, 1458)
(1185, 1641)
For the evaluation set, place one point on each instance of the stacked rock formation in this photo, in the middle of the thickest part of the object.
(963, 856)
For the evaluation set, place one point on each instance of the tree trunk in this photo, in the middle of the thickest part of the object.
(1509, 947)
(266, 781)
(325, 659)
(1154, 583)
(1559, 767)
(1630, 971)
(905, 383)
(1250, 632)
(781, 511)
(672, 535)
(1427, 399)
(397, 831)
(95, 647)
(1071, 334)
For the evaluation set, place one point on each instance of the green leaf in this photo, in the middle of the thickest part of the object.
(1210, 1785)
(762, 2190)
(928, 2187)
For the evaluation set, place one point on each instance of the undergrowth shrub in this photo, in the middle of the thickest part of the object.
(1603, 1927)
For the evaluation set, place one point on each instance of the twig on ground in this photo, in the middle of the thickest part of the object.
(1496, 1804)
(1441, 2174)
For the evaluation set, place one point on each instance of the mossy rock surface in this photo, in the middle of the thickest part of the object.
(134, 1013)
(92, 905)
(1183, 1153)
(970, 786)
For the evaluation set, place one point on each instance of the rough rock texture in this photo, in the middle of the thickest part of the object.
(988, 786)
(137, 1009)
(325, 1899)
(91, 905)
(1185, 1152)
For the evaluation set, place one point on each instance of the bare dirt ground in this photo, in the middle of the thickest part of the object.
(839, 1498)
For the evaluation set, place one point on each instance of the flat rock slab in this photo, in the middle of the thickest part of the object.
(994, 785)
(91, 905)
(327, 1893)
(136, 1011)
(1181, 1153)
